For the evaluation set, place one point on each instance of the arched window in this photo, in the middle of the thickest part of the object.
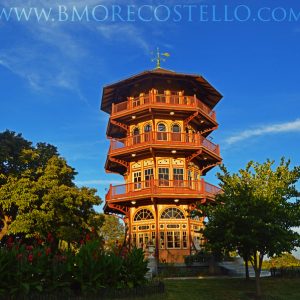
(176, 133)
(143, 214)
(172, 213)
(161, 134)
(136, 131)
(147, 131)
(176, 128)
(136, 136)
(147, 128)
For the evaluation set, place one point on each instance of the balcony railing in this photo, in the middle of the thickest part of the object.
(162, 100)
(162, 187)
(161, 138)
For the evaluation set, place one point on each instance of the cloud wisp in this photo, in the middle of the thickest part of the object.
(293, 126)
(58, 54)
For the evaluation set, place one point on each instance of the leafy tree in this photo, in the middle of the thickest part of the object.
(284, 260)
(112, 231)
(38, 195)
(255, 213)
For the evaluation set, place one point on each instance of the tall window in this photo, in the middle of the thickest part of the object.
(162, 240)
(190, 178)
(184, 239)
(137, 178)
(161, 132)
(178, 177)
(176, 133)
(196, 182)
(147, 132)
(148, 174)
(173, 239)
(136, 136)
(163, 176)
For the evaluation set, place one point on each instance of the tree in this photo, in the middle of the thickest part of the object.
(38, 195)
(284, 260)
(112, 231)
(255, 213)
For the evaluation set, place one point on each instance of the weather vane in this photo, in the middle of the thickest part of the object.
(159, 57)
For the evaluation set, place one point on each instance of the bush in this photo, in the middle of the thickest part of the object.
(199, 257)
(33, 270)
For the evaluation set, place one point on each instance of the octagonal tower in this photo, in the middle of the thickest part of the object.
(158, 128)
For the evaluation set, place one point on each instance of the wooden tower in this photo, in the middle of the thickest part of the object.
(158, 128)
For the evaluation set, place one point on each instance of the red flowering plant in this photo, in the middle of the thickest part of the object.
(35, 268)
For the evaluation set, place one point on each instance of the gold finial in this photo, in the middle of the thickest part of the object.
(159, 57)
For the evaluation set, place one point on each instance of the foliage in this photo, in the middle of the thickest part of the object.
(112, 232)
(134, 267)
(256, 212)
(36, 269)
(38, 195)
(284, 260)
(199, 257)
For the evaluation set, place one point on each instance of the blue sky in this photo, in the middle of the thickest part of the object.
(52, 74)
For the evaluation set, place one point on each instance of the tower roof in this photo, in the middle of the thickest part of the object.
(159, 78)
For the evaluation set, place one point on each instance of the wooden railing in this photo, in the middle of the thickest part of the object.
(162, 187)
(171, 138)
(162, 100)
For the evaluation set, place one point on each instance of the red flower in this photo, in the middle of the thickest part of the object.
(48, 251)
(87, 237)
(29, 248)
(50, 238)
(39, 242)
(81, 242)
(10, 240)
(19, 256)
(39, 254)
(30, 257)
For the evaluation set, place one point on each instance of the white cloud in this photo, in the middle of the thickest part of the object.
(59, 54)
(123, 33)
(293, 126)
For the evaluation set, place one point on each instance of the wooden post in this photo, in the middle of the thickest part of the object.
(157, 237)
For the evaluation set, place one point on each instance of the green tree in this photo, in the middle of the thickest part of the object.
(255, 213)
(283, 260)
(38, 195)
(112, 231)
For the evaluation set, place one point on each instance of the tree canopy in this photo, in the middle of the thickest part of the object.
(38, 194)
(256, 212)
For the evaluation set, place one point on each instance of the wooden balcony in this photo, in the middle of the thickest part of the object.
(162, 101)
(166, 189)
(169, 140)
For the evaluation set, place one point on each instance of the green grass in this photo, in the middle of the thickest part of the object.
(229, 289)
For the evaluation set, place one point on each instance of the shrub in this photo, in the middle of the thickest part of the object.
(33, 270)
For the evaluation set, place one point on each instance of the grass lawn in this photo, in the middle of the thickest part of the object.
(230, 289)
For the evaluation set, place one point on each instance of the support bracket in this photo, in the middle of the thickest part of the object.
(190, 118)
(195, 154)
(119, 161)
(208, 130)
(124, 126)
(121, 208)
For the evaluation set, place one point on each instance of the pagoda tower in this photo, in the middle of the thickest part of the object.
(158, 128)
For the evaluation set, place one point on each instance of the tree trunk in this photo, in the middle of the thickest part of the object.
(257, 263)
(246, 260)
(6, 221)
(247, 269)
(257, 284)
